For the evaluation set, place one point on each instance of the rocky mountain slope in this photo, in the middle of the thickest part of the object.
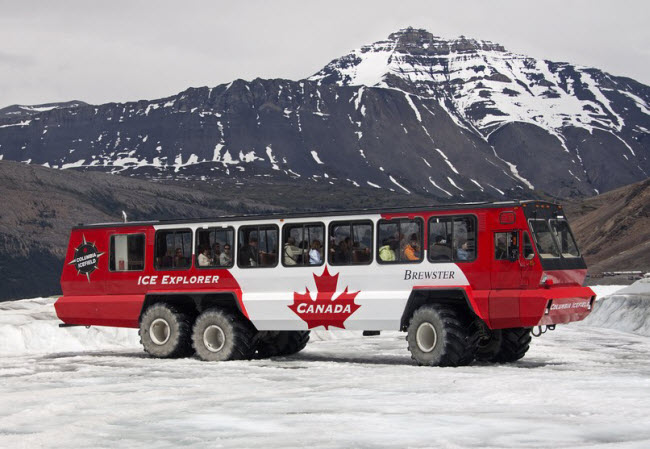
(613, 229)
(450, 119)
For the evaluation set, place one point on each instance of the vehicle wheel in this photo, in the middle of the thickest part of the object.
(165, 333)
(505, 345)
(281, 343)
(489, 346)
(438, 336)
(221, 335)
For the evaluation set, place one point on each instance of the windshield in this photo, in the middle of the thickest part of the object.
(546, 246)
(564, 238)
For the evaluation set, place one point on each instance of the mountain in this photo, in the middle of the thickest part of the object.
(613, 229)
(19, 110)
(457, 119)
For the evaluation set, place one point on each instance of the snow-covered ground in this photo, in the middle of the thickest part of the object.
(579, 386)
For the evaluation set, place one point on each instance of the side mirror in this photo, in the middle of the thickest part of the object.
(514, 254)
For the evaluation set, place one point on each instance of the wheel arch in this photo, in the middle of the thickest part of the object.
(194, 303)
(459, 296)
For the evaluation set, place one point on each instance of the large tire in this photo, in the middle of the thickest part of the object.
(220, 335)
(439, 335)
(282, 343)
(505, 345)
(165, 332)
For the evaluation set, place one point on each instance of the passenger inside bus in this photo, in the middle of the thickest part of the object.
(342, 252)
(411, 251)
(216, 253)
(204, 257)
(462, 252)
(315, 257)
(386, 253)
(440, 250)
(225, 258)
(292, 255)
(249, 254)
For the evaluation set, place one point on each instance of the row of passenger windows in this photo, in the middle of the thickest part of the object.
(348, 243)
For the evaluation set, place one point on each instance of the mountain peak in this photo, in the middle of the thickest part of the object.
(420, 40)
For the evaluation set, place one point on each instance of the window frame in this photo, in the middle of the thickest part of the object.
(277, 229)
(453, 217)
(311, 223)
(155, 250)
(398, 220)
(350, 223)
(215, 267)
(144, 255)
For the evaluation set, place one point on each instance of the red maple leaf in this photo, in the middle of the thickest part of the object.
(324, 310)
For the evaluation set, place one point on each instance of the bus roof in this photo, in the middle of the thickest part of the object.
(319, 213)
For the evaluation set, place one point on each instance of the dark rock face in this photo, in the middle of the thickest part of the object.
(454, 120)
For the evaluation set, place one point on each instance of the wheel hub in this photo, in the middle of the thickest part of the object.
(426, 337)
(213, 338)
(159, 331)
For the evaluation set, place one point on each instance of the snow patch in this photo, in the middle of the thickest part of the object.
(314, 154)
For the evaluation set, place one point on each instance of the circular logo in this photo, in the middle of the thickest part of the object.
(85, 258)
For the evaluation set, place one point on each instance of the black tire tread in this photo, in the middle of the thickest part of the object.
(281, 343)
(514, 345)
(243, 334)
(461, 342)
(184, 347)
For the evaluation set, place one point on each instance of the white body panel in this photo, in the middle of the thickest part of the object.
(383, 289)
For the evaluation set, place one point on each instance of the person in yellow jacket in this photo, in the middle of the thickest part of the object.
(386, 253)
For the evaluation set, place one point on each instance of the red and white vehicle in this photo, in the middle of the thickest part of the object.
(464, 281)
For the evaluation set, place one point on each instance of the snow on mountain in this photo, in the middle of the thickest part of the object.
(19, 110)
(483, 83)
(454, 119)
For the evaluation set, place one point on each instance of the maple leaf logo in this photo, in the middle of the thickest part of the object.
(324, 310)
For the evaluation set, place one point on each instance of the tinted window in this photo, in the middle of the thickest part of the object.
(529, 252)
(506, 245)
(214, 247)
(564, 238)
(258, 246)
(350, 243)
(452, 239)
(127, 252)
(399, 241)
(302, 244)
(544, 239)
(173, 249)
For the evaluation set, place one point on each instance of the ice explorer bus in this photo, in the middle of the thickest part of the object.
(464, 281)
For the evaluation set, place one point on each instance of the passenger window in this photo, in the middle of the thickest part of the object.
(529, 252)
(258, 246)
(464, 240)
(440, 234)
(452, 239)
(214, 247)
(506, 245)
(127, 252)
(350, 243)
(173, 249)
(302, 244)
(399, 241)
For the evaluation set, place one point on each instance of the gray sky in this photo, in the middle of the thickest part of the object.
(130, 50)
